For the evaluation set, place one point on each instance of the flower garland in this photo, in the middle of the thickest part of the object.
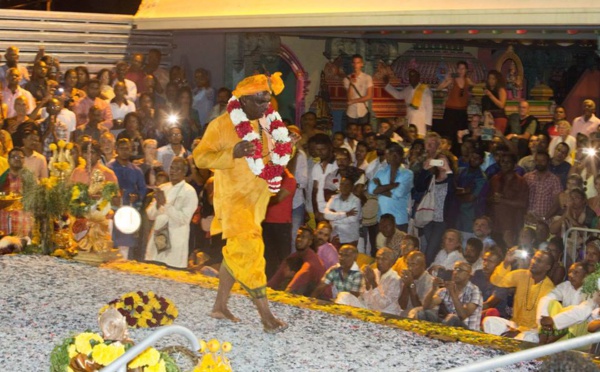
(282, 151)
(144, 310)
(213, 356)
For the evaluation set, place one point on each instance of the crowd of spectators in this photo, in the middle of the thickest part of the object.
(459, 221)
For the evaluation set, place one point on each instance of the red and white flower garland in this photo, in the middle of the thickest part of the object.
(282, 151)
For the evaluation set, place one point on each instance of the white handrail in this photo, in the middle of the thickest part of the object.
(566, 240)
(120, 365)
(529, 354)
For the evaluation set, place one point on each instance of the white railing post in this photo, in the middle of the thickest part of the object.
(529, 354)
(120, 365)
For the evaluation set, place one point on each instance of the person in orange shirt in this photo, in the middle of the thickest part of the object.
(231, 147)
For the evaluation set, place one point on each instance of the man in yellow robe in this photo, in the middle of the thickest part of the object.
(240, 199)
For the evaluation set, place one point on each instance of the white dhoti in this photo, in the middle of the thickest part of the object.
(497, 326)
(347, 298)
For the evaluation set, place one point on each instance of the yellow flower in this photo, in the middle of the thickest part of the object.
(72, 351)
(142, 323)
(76, 193)
(153, 304)
(82, 342)
(69, 369)
(159, 367)
(52, 147)
(105, 354)
(61, 144)
(69, 146)
(214, 345)
(227, 347)
(149, 357)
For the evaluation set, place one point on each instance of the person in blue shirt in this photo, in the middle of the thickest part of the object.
(392, 185)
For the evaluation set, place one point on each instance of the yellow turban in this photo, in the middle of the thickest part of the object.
(259, 83)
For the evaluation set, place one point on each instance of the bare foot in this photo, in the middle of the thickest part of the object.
(274, 326)
(224, 314)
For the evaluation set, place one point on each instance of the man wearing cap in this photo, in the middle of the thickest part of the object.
(231, 147)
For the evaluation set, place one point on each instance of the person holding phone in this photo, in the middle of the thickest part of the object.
(455, 112)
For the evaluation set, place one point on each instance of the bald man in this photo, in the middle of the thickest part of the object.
(12, 61)
(588, 122)
(415, 282)
(382, 286)
(343, 277)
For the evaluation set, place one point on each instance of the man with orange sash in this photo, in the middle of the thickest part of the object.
(248, 156)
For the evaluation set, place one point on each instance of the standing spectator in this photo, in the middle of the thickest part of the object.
(187, 117)
(471, 192)
(12, 61)
(308, 277)
(149, 165)
(13, 124)
(521, 127)
(131, 125)
(494, 99)
(12, 91)
(133, 191)
(38, 86)
(152, 67)
(508, 199)
(543, 187)
(135, 72)
(71, 94)
(381, 144)
(419, 101)
(120, 105)
(322, 241)
(361, 154)
(588, 122)
(277, 226)
(65, 116)
(359, 88)
(122, 68)
(327, 165)
(382, 286)
(82, 107)
(223, 96)
(174, 149)
(531, 285)
(34, 161)
(204, 96)
(298, 165)
(559, 166)
(551, 129)
(83, 77)
(416, 282)
(392, 185)
(344, 212)
(527, 162)
(173, 205)
(150, 120)
(461, 298)
(455, 111)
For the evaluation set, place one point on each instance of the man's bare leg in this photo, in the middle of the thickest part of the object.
(270, 323)
(220, 310)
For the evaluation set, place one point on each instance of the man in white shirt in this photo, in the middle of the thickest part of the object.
(418, 99)
(588, 122)
(121, 69)
(167, 153)
(450, 253)
(565, 308)
(12, 91)
(359, 87)
(382, 286)
(12, 61)
(344, 212)
(324, 151)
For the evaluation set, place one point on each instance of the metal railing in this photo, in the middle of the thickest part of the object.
(579, 232)
(120, 365)
(529, 354)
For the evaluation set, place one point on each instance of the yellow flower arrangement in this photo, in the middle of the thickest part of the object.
(53, 147)
(143, 310)
(149, 357)
(213, 358)
(83, 342)
(105, 354)
(159, 367)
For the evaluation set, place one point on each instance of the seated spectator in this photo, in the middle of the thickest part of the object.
(527, 162)
(564, 128)
(344, 212)
(121, 69)
(120, 106)
(82, 107)
(91, 153)
(409, 244)
(576, 214)
(108, 146)
(521, 127)
(461, 300)
(11, 124)
(559, 165)
(38, 86)
(559, 311)
(389, 235)
(482, 230)
(472, 254)
(83, 77)
(174, 205)
(392, 185)
(325, 250)
(556, 248)
(93, 127)
(415, 283)
(449, 254)
(72, 95)
(64, 116)
(175, 148)
(106, 90)
(494, 298)
(12, 61)
(291, 265)
(343, 277)
(525, 248)
(361, 155)
(574, 181)
(306, 279)
(34, 161)
(382, 287)
(531, 285)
